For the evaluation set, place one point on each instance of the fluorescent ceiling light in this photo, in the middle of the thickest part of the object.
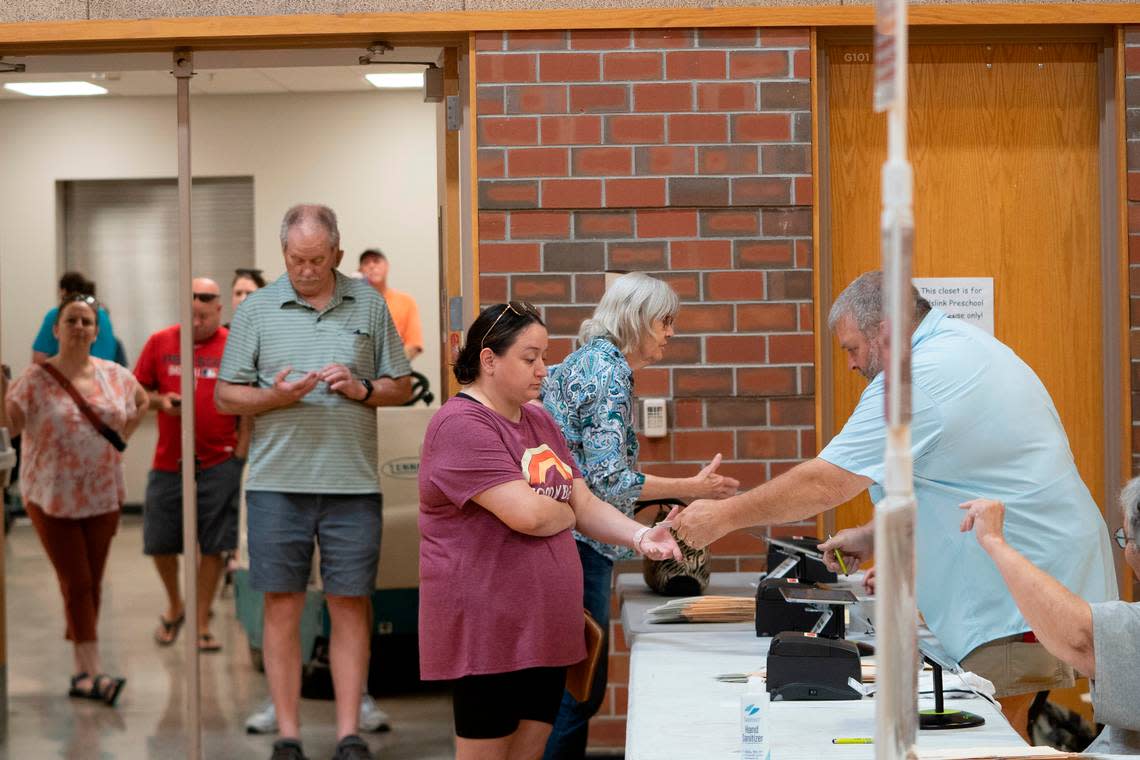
(55, 89)
(397, 81)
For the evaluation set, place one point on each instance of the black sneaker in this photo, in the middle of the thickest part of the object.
(287, 749)
(352, 747)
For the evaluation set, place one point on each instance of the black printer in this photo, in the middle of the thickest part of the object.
(802, 666)
(774, 614)
(809, 567)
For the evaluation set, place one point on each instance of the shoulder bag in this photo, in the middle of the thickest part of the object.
(104, 429)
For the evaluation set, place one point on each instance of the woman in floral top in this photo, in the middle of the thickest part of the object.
(72, 477)
(590, 396)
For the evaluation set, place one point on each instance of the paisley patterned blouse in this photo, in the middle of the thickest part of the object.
(590, 396)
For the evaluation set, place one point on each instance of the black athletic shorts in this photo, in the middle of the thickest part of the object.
(491, 706)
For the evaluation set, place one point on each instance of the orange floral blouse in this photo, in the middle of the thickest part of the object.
(67, 468)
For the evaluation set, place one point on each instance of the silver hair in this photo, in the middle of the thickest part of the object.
(862, 300)
(628, 309)
(1130, 503)
(310, 212)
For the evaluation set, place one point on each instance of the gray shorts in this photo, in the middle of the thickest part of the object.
(218, 490)
(282, 527)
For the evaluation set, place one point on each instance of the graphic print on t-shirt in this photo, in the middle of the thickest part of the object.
(537, 463)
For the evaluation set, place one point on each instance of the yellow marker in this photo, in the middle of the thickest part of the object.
(853, 740)
(842, 564)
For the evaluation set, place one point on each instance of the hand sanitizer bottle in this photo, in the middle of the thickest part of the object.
(755, 743)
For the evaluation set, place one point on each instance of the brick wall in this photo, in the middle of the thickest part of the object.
(685, 154)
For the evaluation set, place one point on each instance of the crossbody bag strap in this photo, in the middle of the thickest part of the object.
(104, 429)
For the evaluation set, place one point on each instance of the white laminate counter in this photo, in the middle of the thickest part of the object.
(679, 711)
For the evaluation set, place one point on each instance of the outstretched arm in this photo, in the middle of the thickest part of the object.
(1060, 619)
(803, 491)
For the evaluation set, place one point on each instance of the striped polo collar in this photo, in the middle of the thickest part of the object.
(286, 294)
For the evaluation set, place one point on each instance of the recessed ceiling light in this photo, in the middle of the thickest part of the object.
(413, 80)
(55, 89)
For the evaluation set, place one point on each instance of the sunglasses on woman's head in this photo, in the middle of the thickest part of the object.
(519, 308)
(81, 298)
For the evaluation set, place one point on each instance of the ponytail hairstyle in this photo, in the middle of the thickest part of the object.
(497, 327)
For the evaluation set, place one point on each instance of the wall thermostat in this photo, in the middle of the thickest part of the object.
(653, 422)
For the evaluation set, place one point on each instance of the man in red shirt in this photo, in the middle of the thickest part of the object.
(218, 458)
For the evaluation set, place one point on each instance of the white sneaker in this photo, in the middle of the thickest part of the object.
(372, 718)
(263, 720)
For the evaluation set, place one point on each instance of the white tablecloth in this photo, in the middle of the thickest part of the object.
(679, 711)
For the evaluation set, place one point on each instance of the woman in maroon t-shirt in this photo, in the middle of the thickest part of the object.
(500, 577)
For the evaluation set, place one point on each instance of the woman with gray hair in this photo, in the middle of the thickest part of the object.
(1101, 640)
(590, 396)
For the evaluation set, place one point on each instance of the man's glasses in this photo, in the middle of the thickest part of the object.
(205, 297)
(519, 308)
(1121, 539)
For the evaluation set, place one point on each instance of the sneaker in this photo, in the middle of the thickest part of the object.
(287, 749)
(263, 720)
(352, 747)
(372, 718)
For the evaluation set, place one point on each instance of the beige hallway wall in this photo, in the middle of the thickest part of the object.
(370, 156)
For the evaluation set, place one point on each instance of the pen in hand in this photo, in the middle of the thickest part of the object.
(839, 557)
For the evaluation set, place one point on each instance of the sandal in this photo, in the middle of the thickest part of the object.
(75, 691)
(103, 688)
(167, 631)
(207, 643)
(109, 687)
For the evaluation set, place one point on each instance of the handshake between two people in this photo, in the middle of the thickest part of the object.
(659, 541)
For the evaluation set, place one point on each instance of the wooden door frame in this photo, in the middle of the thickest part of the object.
(458, 217)
(435, 28)
(1117, 411)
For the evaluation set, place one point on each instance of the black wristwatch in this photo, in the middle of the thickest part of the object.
(368, 387)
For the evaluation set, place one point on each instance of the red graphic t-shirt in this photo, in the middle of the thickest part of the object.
(493, 600)
(159, 369)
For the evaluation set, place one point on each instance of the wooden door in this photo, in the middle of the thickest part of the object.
(1004, 143)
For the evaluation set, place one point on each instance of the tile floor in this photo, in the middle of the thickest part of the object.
(148, 722)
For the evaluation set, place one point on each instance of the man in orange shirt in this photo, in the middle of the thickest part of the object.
(402, 307)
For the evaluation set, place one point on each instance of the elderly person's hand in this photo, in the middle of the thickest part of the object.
(294, 390)
(708, 484)
(985, 517)
(658, 541)
(341, 380)
(856, 544)
(700, 523)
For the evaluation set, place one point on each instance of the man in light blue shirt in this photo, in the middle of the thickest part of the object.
(983, 425)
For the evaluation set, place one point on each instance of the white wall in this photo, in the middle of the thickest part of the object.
(370, 156)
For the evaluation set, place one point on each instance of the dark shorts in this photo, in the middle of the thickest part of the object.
(219, 488)
(282, 526)
(491, 706)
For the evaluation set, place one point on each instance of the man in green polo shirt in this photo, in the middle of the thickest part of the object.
(312, 355)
